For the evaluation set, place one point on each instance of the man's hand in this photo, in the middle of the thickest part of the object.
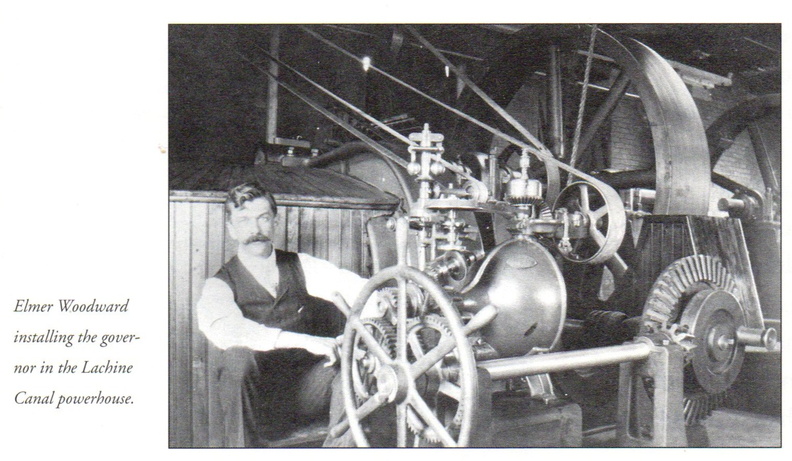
(317, 345)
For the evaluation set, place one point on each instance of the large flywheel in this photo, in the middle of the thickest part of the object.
(695, 303)
(622, 71)
(424, 381)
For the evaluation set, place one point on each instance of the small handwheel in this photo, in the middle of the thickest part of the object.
(433, 363)
(599, 236)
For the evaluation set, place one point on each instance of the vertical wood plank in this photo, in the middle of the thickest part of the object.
(229, 245)
(181, 331)
(320, 233)
(215, 260)
(306, 241)
(335, 236)
(279, 239)
(173, 378)
(293, 229)
(198, 270)
(348, 246)
(359, 257)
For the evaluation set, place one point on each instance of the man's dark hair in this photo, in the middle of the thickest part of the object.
(245, 192)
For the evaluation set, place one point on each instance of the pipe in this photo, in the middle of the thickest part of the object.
(628, 179)
(359, 147)
(272, 87)
(556, 106)
(562, 361)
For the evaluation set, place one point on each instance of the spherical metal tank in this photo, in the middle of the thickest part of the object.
(523, 281)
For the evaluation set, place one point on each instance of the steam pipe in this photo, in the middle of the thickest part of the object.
(569, 360)
(354, 148)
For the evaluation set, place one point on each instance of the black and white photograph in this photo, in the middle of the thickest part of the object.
(497, 235)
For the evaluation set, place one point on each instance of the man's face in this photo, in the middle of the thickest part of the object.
(252, 225)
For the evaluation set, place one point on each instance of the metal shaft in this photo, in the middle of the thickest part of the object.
(563, 361)
(272, 87)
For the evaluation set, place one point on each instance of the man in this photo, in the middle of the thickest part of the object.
(267, 310)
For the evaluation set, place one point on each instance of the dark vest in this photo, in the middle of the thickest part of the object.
(292, 309)
(268, 397)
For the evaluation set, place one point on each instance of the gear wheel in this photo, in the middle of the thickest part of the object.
(423, 335)
(684, 285)
(366, 364)
(388, 300)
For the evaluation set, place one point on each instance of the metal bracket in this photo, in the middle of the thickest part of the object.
(650, 409)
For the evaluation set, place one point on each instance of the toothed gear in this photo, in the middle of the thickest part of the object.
(417, 337)
(709, 295)
(366, 364)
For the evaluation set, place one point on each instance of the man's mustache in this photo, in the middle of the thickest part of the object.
(256, 238)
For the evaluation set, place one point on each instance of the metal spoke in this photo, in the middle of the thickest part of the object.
(584, 198)
(428, 416)
(401, 321)
(599, 213)
(451, 390)
(417, 349)
(362, 412)
(401, 425)
(598, 237)
(422, 365)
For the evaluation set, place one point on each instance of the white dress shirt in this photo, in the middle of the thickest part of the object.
(221, 320)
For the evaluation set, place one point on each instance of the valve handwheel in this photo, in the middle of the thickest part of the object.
(400, 379)
(605, 221)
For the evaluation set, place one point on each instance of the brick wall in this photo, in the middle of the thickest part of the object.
(631, 139)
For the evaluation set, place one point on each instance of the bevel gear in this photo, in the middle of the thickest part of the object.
(694, 303)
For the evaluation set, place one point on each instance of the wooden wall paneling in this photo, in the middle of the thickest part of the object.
(280, 237)
(306, 241)
(180, 328)
(215, 258)
(360, 259)
(172, 312)
(292, 229)
(335, 236)
(229, 244)
(321, 235)
(345, 245)
(198, 268)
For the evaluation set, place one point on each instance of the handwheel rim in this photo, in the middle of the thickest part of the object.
(407, 393)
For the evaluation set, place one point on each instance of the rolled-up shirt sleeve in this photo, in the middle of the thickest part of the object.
(220, 319)
(323, 280)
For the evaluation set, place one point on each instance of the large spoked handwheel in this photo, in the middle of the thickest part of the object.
(429, 379)
(603, 222)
